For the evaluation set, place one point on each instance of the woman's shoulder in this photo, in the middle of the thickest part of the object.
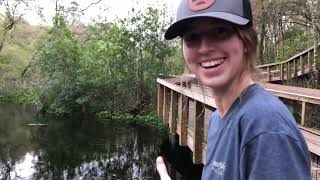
(261, 112)
(259, 102)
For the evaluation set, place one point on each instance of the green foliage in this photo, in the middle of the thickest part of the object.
(59, 61)
(12, 61)
(21, 97)
(115, 68)
(14, 58)
(295, 40)
(150, 119)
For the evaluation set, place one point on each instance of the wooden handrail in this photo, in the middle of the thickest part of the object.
(204, 94)
(288, 60)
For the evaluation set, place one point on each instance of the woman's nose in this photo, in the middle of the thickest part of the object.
(205, 45)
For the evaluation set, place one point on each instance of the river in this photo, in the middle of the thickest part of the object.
(81, 148)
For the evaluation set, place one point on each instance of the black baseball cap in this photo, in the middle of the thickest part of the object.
(235, 11)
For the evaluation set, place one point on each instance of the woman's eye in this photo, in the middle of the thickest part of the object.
(221, 33)
(192, 38)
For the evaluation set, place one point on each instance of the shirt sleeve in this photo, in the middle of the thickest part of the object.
(274, 156)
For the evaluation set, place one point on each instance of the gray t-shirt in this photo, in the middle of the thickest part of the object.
(257, 139)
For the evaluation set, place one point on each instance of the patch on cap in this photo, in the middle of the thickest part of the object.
(198, 5)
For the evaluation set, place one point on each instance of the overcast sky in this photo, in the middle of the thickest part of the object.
(116, 8)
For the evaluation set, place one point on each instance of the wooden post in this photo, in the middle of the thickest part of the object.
(183, 121)
(309, 63)
(294, 67)
(301, 65)
(160, 100)
(166, 105)
(288, 70)
(305, 113)
(198, 132)
(173, 112)
(281, 72)
(269, 73)
(206, 119)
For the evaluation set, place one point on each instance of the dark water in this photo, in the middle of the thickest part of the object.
(82, 149)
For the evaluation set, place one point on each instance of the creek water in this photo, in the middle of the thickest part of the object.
(81, 148)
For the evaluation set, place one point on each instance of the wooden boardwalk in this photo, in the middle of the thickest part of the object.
(181, 103)
(295, 66)
(187, 108)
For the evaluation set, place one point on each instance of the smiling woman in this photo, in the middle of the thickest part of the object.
(219, 46)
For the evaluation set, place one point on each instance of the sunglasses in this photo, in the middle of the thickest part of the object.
(217, 34)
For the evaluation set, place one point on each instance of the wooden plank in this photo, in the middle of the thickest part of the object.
(301, 65)
(269, 73)
(184, 104)
(179, 113)
(192, 112)
(198, 133)
(173, 112)
(309, 63)
(187, 92)
(204, 151)
(305, 113)
(295, 96)
(160, 95)
(190, 139)
(288, 71)
(207, 117)
(281, 72)
(294, 67)
(313, 141)
(166, 104)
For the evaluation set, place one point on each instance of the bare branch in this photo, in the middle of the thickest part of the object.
(82, 10)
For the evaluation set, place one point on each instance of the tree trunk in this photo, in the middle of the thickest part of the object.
(316, 62)
(261, 42)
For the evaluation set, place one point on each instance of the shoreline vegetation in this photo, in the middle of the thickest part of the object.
(96, 69)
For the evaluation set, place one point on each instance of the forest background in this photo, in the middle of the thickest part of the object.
(108, 68)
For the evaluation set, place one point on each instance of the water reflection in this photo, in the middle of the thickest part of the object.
(14, 137)
(179, 160)
(68, 150)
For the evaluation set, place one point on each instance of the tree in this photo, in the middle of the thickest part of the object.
(134, 53)
(115, 67)
(12, 15)
(59, 61)
(74, 10)
(307, 14)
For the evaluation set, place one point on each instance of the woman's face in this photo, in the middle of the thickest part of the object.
(214, 52)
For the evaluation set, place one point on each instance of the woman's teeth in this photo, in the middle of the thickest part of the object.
(209, 64)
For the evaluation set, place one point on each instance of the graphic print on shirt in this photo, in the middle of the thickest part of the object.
(218, 167)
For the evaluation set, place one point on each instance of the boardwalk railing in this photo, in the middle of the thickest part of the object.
(297, 65)
(187, 108)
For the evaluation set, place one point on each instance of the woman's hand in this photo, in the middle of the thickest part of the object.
(162, 169)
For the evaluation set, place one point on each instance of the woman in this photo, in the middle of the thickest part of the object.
(251, 135)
